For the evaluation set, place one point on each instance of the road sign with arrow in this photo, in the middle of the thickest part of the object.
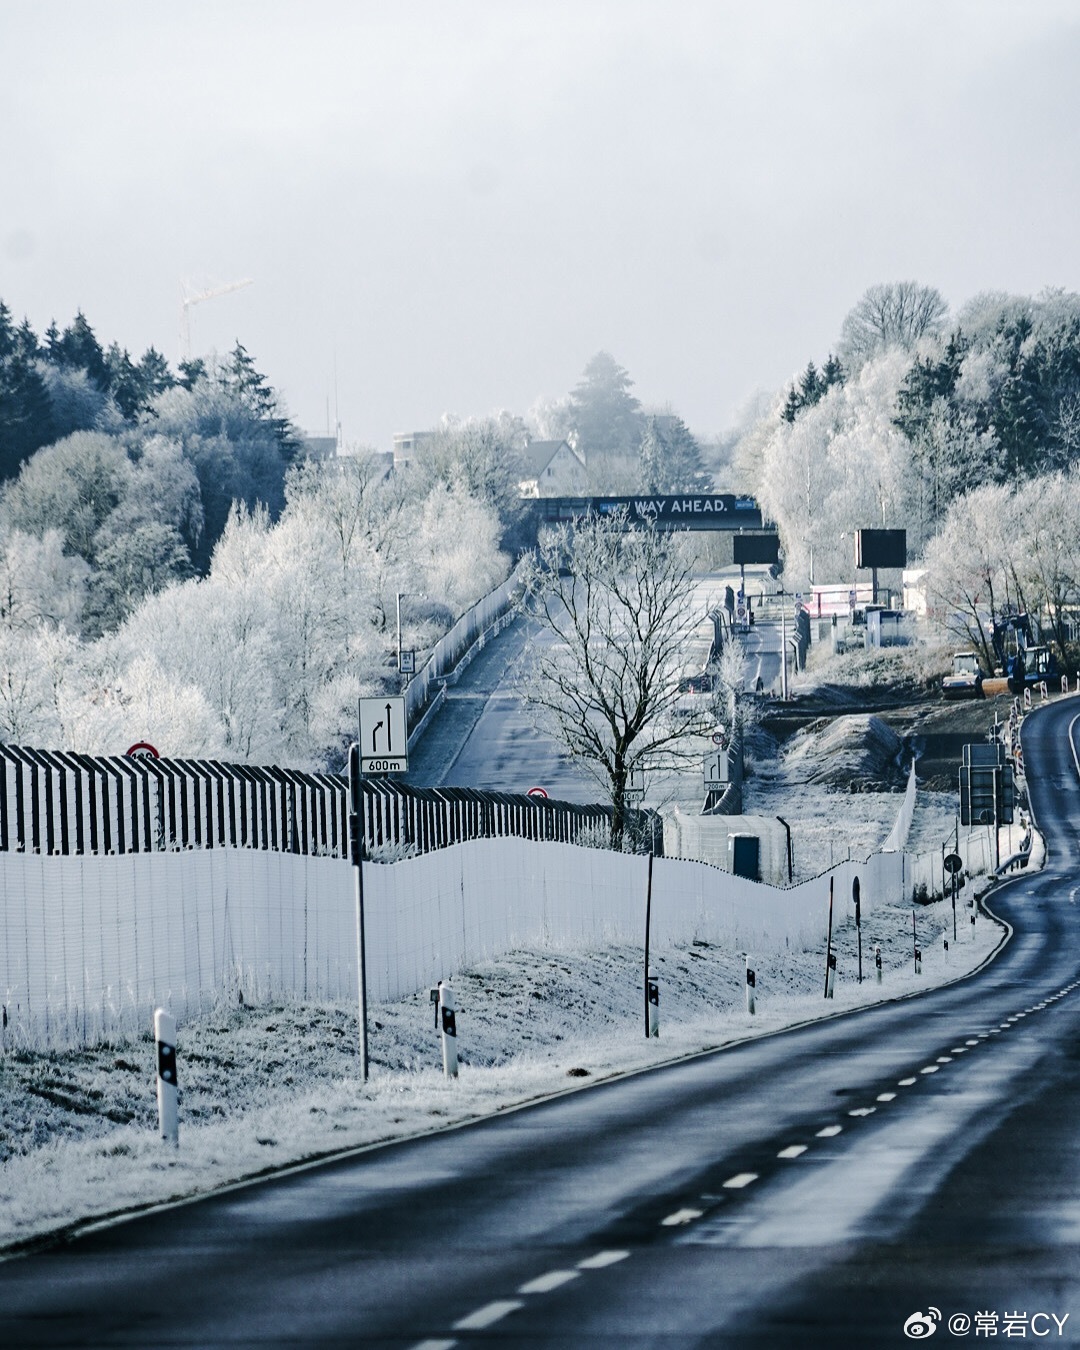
(384, 744)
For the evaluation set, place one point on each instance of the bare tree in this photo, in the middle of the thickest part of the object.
(896, 314)
(617, 605)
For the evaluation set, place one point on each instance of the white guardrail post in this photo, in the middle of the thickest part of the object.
(167, 1093)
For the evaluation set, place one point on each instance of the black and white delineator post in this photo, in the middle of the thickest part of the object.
(356, 855)
(168, 1114)
(856, 895)
(652, 992)
(448, 1028)
(751, 985)
(830, 976)
(877, 960)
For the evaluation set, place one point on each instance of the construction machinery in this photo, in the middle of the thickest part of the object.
(1022, 661)
(966, 679)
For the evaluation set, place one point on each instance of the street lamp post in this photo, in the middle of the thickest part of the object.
(418, 595)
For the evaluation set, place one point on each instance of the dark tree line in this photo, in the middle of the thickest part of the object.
(812, 387)
(134, 466)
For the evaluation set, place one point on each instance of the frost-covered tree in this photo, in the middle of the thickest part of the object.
(1045, 554)
(604, 414)
(969, 566)
(234, 445)
(72, 486)
(27, 710)
(481, 456)
(670, 457)
(616, 613)
(456, 548)
(40, 584)
(138, 698)
(842, 465)
(896, 314)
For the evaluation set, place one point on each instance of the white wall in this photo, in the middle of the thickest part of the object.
(90, 946)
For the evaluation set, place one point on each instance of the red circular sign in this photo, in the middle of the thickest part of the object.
(537, 792)
(143, 750)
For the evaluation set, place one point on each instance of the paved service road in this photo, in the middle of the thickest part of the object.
(818, 1188)
(482, 736)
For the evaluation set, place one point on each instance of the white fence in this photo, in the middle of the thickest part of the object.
(452, 647)
(91, 946)
(902, 828)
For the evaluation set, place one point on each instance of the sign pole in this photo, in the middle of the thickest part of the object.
(828, 947)
(356, 846)
(381, 747)
(648, 926)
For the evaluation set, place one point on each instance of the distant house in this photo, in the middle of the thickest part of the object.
(552, 469)
(406, 444)
(320, 447)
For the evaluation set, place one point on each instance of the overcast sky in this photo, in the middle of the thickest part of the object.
(449, 207)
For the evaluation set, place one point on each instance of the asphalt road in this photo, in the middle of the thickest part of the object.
(815, 1188)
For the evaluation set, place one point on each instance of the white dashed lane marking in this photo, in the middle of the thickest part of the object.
(489, 1314)
(680, 1217)
(494, 1312)
(554, 1279)
(601, 1260)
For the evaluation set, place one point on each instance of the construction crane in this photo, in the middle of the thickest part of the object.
(188, 297)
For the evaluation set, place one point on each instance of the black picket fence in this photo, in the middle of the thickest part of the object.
(57, 802)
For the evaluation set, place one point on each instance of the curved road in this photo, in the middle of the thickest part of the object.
(815, 1188)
